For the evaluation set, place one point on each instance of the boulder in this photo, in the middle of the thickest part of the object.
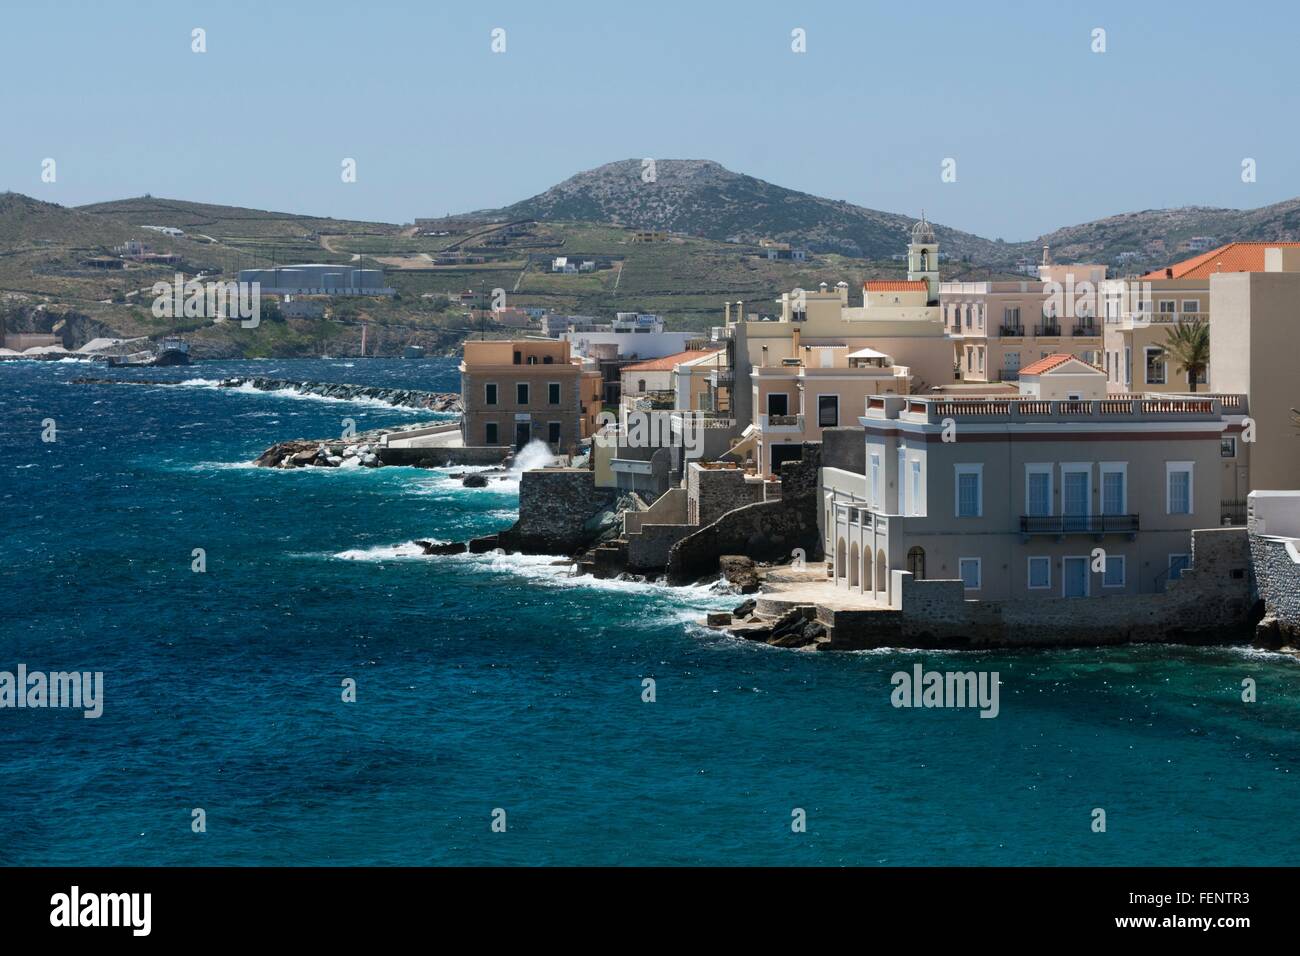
(744, 608)
(753, 632)
(740, 572)
(801, 635)
(450, 547)
(474, 480)
(718, 618)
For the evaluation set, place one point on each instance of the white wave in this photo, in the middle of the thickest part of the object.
(384, 552)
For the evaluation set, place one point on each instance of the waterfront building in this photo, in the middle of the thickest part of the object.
(1058, 491)
(518, 391)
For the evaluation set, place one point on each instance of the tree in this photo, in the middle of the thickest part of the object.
(1188, 345)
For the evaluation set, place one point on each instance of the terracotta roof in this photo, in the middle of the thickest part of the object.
(668, 361)
(896, 285)
(1234, 257)
(1052, 361)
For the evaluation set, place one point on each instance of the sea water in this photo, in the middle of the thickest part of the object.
(492, 683)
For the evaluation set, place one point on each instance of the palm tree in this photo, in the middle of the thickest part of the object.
(1188, 344)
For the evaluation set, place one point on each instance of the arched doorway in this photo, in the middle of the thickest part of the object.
(868, 571)
(855, 562)
(882, 575)
(916, 563)
(840, 562)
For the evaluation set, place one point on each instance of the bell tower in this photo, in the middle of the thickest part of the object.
(923, 257)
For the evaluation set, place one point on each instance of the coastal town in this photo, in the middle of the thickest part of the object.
(1070, 459)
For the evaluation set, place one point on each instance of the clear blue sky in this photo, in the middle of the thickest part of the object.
(1045, 132)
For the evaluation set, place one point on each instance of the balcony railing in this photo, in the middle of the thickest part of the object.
(1047, 328)
(1011, 331)
(789, 423)
(1086, 328)
(1078, 524)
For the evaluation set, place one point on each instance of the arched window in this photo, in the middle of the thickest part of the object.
(640, 385)
(925, 261)
(855, 562)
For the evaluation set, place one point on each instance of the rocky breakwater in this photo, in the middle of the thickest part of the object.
(397, 397)
(306, 453)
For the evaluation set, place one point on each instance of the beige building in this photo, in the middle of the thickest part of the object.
(1139, 314)
(999, 327)
(1253, 331)
(1027, 497)
(814, 366)
(518, 391)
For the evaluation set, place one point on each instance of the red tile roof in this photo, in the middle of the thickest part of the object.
(668, 361)
(1234, 257)
(896, 285)
(1052, 361)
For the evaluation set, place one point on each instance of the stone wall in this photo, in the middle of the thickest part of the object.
(649, 548)
(1277, 580)
(712, 492)
(764, 531)
(556, 506)
(449, 457)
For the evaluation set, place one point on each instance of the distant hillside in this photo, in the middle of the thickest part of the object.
(225, 221)
(702, 198)
(1156, 234)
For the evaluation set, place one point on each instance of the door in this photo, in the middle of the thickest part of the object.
(1074, 500)
(778, 403)
(523, 431)
(1074, 577)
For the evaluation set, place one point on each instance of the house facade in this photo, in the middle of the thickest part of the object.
(519, 391)
(1022, 497)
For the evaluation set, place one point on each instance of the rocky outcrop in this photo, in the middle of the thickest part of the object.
(308, 453)
(740, 572)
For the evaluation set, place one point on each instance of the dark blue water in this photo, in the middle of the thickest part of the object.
(499, 682)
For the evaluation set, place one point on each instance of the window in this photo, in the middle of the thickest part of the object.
(1038, 489)
(490, 393)
(1167, 306)
(1011, 361)
(1228, 446)
(521, 393)
(1191, 306)
(1155, 359)
(490, 433)
(969, 499)
(875, 482)
(970, 360)
(1076, 496)
(777, 403)
(1113, 576)
(969, 569)
(828, 411)
(553, 432)
(519, 358)
(1011, 317)
(1178, 487)
(1040, 573)
(1178, 563)
(1128, 365)
(1114, 488)
(553, 393)
(916, 486)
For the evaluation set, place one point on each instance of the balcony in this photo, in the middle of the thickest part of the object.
(1085, 328)
(721, 376)
(1011, 331)
(1078, 524)
(781, 424)
(1047, 329)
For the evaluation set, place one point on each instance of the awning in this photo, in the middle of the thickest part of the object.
(867, 353)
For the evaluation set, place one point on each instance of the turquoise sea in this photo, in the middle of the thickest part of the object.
(488, 682)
